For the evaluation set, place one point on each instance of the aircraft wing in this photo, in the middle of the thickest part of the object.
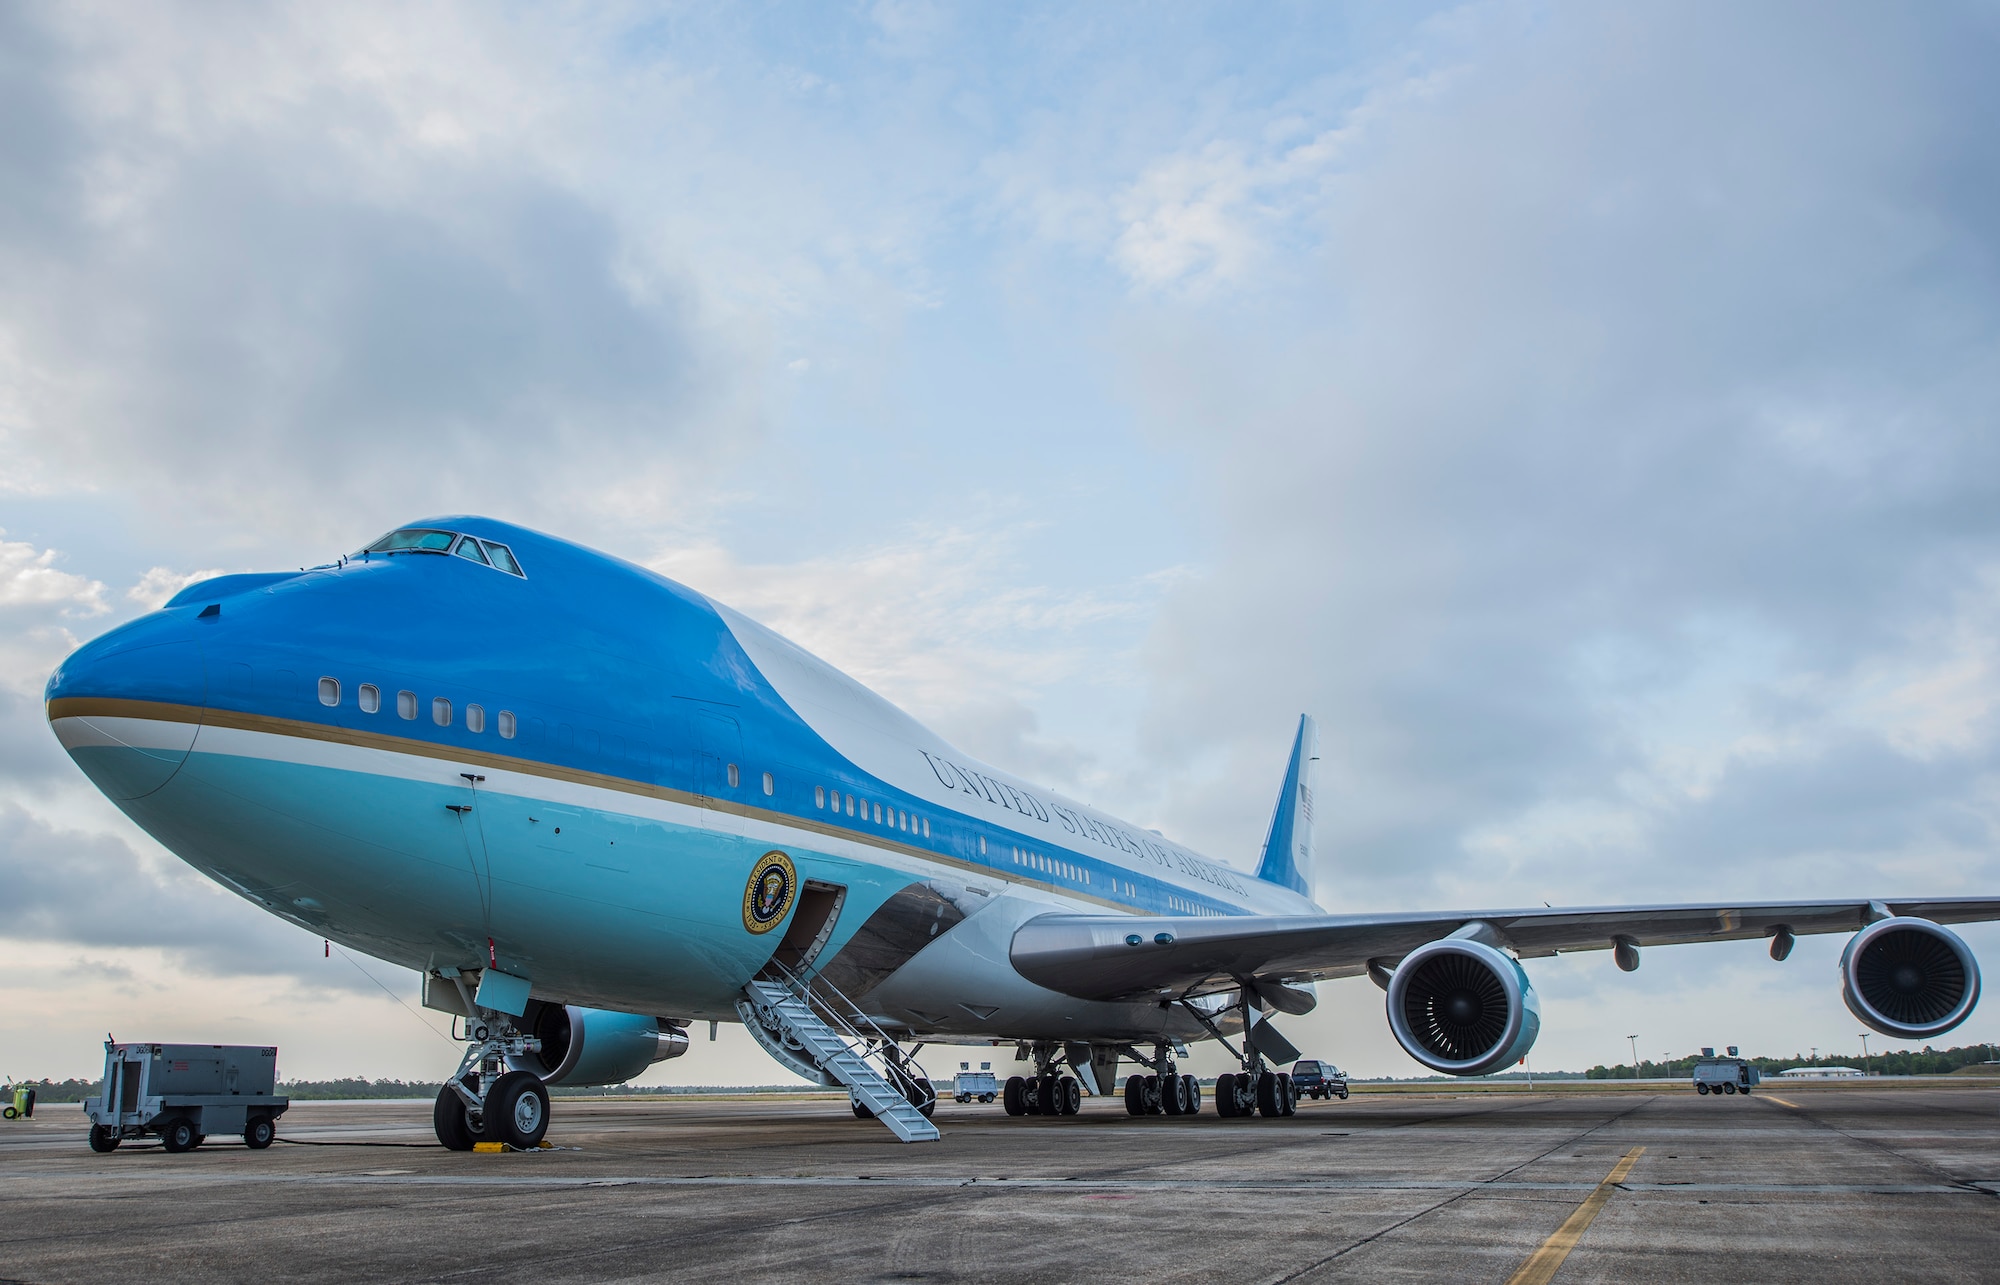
(1095, 957)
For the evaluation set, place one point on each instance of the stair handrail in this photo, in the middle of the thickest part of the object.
(876, 1042)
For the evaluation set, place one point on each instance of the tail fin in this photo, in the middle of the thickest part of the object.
(1288, 849)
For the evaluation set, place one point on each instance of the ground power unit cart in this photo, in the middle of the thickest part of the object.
(182, 1093)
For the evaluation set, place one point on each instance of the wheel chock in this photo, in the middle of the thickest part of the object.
(495, 1148)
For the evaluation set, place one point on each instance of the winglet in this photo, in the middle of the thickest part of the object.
(1288, 847)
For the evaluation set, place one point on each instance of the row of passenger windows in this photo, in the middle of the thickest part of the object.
(1187, 907)
(851, 805)
(1050, 866)
(369, 697)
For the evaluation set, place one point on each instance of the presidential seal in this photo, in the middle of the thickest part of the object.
(773, 884)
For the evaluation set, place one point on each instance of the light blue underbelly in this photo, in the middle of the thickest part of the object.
(614, 911)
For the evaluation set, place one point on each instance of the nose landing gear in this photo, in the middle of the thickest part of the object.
(485, 1101)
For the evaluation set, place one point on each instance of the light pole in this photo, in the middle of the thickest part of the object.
(1864, 1052)
(1635, 1055)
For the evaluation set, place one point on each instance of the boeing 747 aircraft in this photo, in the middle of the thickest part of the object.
(592, 807)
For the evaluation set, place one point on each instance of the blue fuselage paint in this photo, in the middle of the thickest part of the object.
(572, 773)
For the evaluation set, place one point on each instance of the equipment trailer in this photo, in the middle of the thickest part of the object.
(181, 1093)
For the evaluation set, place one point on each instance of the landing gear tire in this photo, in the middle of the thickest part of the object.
(1048, 1095)
(178, 1135)
(102, 1140)
(454, 1128)
(1225, 1095)
(1014, 1096)
(1070, 1093)
(1191, 1095)
(1135, 1095)
(518, 1109)
(1288, 1095)
(1268, 1103)
(1173, 1095)
(258, 1134)
(923, 1096)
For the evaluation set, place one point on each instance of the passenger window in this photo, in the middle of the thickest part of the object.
(469, 548)
(735, 777)
(329, 691)
(878, 814)
(406, 704)
(503, 558)
(819, 796)
(927, 827)
(475, 718)
(850, 805)
(506, 724)
(440, 711)
(370, 697)
(770, 786)
(982, 845)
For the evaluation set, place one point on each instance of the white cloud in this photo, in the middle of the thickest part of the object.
(30, 577)
(162, 583)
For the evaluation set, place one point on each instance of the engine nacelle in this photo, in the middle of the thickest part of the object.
(1463, 1007)
(1909, 978)
(585, 1046)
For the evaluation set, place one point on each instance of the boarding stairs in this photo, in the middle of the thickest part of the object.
(822, 1043)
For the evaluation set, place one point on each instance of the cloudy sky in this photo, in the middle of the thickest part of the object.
(1586, 411)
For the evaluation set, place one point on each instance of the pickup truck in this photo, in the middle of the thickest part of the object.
(1314, 1079)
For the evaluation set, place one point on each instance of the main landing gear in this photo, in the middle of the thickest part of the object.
(1256, 1090)
(1048, 1091)
(1166, 1091)
(484, 1101)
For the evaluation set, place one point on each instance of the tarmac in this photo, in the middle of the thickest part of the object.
(1821, 1183)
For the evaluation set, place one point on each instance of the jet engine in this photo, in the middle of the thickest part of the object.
(584, 1046)
(1909, 978)
(1462, 1007)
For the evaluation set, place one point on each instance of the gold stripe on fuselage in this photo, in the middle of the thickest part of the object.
(301, 729)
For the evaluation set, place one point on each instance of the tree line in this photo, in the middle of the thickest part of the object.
(1927, 1061)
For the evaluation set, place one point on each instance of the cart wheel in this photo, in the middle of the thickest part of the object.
(8, 1113)
(102, 1140)
(258, 1134)
(177, 1135)
(1701, 1089)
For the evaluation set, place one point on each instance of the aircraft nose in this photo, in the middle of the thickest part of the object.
(127, 706)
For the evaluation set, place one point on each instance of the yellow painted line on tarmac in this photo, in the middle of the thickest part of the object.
(1542, 1264)
(1783, 1103)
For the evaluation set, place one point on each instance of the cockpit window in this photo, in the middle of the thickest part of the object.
(503, 558)
(426, 540)
(414, 539)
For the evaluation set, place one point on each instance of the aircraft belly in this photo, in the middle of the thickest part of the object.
(962, 987)
(640, 914)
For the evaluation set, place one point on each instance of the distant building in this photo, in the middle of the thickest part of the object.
(1820, 1073)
